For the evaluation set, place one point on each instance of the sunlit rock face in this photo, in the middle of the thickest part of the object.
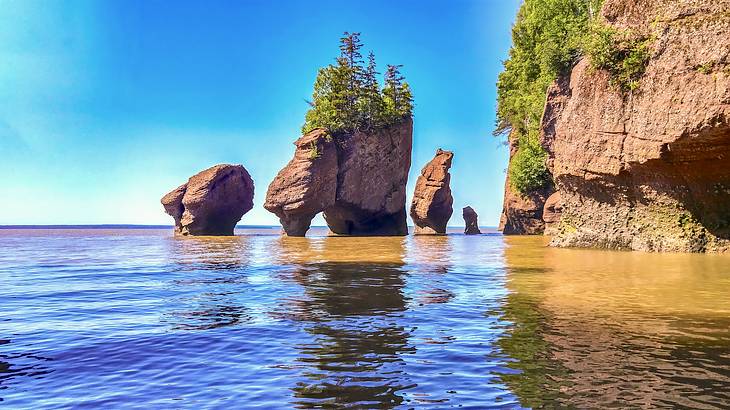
(432, 202)
(357, 179)
(212, 201)
(522, 213)
(648, 169)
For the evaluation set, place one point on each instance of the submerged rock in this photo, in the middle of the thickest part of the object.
(647, 169)
(357, 179)
(212, 201)
(432, 202)
(471, 221)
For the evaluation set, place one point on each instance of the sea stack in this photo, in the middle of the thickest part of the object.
(647, 168)
(470, 221)
(358, 179)
(211, 202)
(432, 202)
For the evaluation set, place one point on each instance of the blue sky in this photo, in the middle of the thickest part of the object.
(107, 105)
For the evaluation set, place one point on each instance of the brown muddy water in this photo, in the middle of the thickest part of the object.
(135, 318)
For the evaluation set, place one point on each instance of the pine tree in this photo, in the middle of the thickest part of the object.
(351, 63)
(329, 100)
(397, 94)
(347, 95)
(372, 106)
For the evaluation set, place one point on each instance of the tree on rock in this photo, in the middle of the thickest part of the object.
(348, 96)
(397, 93)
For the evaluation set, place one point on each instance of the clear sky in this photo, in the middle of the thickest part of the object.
(107, 105)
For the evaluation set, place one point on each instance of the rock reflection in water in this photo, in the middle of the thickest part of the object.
(350, 308)
(587, 324)
(19, 365)
(431, 255)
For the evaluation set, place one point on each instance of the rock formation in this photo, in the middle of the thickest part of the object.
(648, 169)
(522, 214)
(432, 202)
(551, 213)
(211, 202)
(358, 180)
(471, 221)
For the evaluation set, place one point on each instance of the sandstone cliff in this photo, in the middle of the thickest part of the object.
(522, 214)
(432, 202)
(358, 180)
(212, 201)
(648, 169)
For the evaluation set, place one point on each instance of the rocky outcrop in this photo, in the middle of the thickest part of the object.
(471, 221)
(307, 185)
(648, 169)
(211, 202)
(357, 179)
(552, 212)
(522, 213)
(432, 202)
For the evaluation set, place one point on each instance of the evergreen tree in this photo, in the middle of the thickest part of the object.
(329, 100)
(397, 93)
(347, 95)
(371, 107)
(351, 64)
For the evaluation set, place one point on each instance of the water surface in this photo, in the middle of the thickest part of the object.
(135, 318)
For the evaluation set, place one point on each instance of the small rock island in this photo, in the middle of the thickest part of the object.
(211, 202)
(353, 160)
(432, 202)
(471, 221)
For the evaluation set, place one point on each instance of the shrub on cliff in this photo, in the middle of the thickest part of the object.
(527, 170)
(347, 95)
(547, 39)
(620, 52)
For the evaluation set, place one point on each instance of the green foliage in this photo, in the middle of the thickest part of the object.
(527, 169)
(547, 41)
(314, 151)
(705, 68)
(620, 52)
(348, 96)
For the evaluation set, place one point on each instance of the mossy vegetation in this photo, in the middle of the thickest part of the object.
(347, 95)
(622, 53)
(314, 151)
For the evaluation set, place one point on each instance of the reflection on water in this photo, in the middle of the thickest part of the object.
(617, 328)
(212, 300)
(358, 345)
(349, 307)
(140, 319)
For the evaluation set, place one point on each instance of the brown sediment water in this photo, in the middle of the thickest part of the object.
(128, 317)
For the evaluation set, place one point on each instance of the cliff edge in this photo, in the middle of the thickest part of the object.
(647, 168)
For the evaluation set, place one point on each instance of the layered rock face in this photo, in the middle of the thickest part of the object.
(522, 214)
(432, 202)
(471, 221)
(552, 213)
(212, 201)
(648, 169)
(358, 180)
